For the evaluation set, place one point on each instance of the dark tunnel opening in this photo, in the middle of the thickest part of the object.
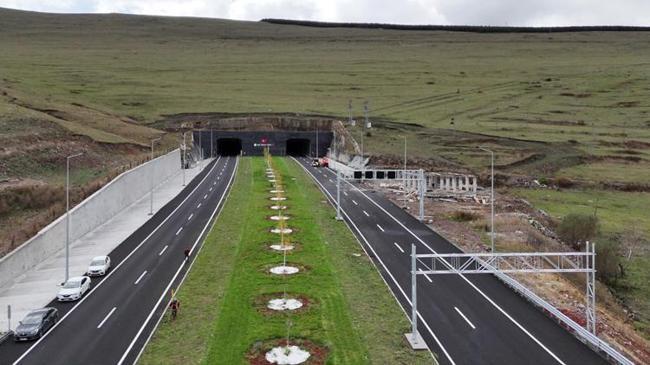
(229, 146)
(298, 147)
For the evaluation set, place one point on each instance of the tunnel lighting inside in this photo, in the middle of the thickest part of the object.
(298, 147)
(229, 146)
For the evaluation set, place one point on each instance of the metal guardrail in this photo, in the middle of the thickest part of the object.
(4, 336)
(589, 338)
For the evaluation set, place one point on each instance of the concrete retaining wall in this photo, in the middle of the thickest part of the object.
(105, 203)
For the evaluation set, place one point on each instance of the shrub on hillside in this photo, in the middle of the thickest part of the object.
(575, 229)
(564, 182)
(608, 260)
(463, 216)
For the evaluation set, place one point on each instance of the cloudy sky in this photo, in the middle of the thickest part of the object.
(475, 12)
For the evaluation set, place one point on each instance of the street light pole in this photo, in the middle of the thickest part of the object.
(67, 214)
(200, 150)
(404, 177)
(152, 170)
(211, 143)
(184, 158)
(491, 195)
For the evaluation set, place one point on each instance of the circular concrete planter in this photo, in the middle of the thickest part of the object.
(279, 218)
(281, 230)
(278, 207)
(287, 355)
(284, 304)
(278, 198)
(284, 270)
(281, 247)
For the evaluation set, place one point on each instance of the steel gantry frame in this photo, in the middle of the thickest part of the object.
(501, 263)
(415, 177)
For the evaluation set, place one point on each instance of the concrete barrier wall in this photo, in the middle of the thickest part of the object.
(121, 192)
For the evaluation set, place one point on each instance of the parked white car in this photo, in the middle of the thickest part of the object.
(99, 266)
(73, 289)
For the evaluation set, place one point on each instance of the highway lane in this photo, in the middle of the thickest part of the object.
(113, 322)
(465, 319)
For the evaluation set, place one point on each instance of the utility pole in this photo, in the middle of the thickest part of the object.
(211, 143)
(350, 120)
(491, 195)
(67, 214)
(152, 170)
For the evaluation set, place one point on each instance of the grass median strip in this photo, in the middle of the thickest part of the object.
(350, 312)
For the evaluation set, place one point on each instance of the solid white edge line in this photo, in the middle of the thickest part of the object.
(381, 229)
(465, 318)
(350, 223)
(530, 335)
(218, 212)
(140, 277)
(399, 247)
(106, 318)
(116, 267)
(179, 231)
(163, 250)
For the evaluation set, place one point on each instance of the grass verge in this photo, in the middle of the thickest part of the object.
(351, 312)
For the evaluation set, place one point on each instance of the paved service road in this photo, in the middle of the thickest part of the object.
(464, 319)
(113, 322)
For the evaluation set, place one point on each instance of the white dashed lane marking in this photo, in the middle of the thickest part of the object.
(162, 251)
(179, 231)
(366, 213)
(398, 247)
(106, 318)
(381, 229)
(465, 318)
(190, 217)
(140, 277)
(355, 203)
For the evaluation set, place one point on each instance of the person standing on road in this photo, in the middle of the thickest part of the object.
(187, 254)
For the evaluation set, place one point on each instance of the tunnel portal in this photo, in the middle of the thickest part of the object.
(229, 146)
(298, 147)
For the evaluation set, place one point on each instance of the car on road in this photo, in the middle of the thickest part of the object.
(315, 163)
(73, 289)
(36, 323)
(99, 266)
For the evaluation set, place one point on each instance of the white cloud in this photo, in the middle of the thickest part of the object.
(488, 12)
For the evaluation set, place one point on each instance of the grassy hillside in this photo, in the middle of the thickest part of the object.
(572, 105)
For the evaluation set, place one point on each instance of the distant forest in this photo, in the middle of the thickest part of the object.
(462, 28)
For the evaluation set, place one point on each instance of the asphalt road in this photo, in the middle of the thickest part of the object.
(113, 322)
(464, 319)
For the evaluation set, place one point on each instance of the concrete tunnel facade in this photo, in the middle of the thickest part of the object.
(252, 143)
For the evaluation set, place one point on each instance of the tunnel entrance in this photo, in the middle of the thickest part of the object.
(229, 146)
(297, 147)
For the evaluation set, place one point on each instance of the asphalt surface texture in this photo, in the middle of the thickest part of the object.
(113, 322)
(464, 319)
